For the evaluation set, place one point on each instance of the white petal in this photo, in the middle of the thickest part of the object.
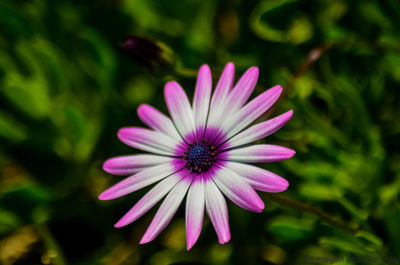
(194, 211)
(260, 153)
(260, 130)
(219, 99)
(149, 200)
(237, 190)
(251, 111)
(139, 181)
(259, 178)
(217, 211)
(225, 118)
(167, 210)
(158, 121)
(130, 164)
(243, 89)
(201, 100)
(148, 140)
(180, 110)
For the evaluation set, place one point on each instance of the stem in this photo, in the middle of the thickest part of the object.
(185, 72)
(316, 53)
(314, 210)
(40, 217)
(52, 247)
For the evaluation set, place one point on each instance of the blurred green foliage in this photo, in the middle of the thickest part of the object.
(66, 88)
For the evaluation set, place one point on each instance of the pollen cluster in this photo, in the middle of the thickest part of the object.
(200, 156)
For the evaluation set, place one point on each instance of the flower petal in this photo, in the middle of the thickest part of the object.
(149, 199)
(260, 130)
(236, 99)
(139, 181)
(243, 89)
(252, 111)
(158, 121)
(167, 209)
(260, 153)
(130, 164)
(219, 99)
(259, 178)
(180, 110)
(194, 211)
(148, 140)
(217, 211)
(237, 190)
(201, 100)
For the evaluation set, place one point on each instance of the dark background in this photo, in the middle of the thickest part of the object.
(66, 87)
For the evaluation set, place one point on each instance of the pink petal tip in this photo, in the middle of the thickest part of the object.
(103, 196)
(204, 67)
(170, 86)
(122, 133)
(144, 240)
(277, 89)
(284, 185)
(119, 224)
(225, 239)
(290, 153)
(190, 244)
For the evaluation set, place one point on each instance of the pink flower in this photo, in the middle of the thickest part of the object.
(203, 153)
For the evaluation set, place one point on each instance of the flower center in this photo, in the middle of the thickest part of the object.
(200, 156)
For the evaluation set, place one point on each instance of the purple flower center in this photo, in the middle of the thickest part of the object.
(200, 156)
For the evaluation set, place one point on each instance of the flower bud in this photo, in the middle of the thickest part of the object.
(153, 55)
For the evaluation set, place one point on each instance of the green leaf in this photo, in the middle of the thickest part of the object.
(11, 129)
(317, 191)
(352, 246)
(370, 238)
(8, 221)
(299, 31)
(290, 228)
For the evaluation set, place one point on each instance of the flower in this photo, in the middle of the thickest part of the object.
(202, 152)
(153, 55)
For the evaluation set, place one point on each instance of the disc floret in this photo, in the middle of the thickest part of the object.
(200, 156)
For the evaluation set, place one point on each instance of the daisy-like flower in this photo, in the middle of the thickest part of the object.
(202, 153)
